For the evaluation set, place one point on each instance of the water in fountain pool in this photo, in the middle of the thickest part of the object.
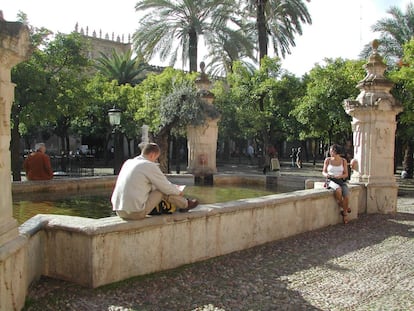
(96, 203)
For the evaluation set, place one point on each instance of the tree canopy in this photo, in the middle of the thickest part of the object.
(321, 110)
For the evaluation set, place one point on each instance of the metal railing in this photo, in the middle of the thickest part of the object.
(78, 165)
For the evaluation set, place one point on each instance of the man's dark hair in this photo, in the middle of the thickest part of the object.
(150, 148)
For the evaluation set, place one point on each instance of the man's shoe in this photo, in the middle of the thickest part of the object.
(191, 204)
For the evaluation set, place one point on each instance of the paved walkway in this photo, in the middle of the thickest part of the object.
(365, 265)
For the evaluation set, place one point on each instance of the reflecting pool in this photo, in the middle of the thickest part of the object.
(96, 203)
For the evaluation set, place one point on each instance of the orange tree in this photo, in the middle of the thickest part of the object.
(404, 91)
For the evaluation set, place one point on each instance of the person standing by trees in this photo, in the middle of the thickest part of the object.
(293, 157)
(37, 164)
(250, 153)
(299, 158)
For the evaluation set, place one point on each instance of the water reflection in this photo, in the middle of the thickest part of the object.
(96, 203)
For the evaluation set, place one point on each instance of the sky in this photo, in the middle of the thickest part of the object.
(339, 28)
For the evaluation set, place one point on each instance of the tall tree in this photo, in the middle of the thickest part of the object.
(49, 87)
(224, 50)
(163, 102)
(404, 91)
(94, 122)
(30, 77)
(244, 116)
(66, 64)
(395, 31)
(169, 26)
(277, 22)
(253, 103)
(320, 110)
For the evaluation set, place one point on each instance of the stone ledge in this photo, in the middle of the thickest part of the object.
(95, 252)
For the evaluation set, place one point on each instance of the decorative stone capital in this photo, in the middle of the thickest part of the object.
(14, 43)
(375, 88)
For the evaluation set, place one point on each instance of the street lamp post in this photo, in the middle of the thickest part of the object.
(114, 115)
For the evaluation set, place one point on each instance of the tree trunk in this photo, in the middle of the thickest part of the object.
(261, 28)
(265, 155)
(192, 49)
(162, 141)
(315, 151)
(67, 147)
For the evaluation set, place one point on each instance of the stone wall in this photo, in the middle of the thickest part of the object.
(94, 252)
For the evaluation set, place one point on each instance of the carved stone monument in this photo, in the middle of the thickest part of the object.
(202, 139)
(373, 124)
(14, 48)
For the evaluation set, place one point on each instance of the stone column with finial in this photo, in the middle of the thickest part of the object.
(14, 48)
(374, 124)
(202, 139)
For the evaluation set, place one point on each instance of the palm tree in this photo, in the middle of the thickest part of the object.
(122, 67)
(225, 49)
(171, 26)
(277, 22)
(394, 31)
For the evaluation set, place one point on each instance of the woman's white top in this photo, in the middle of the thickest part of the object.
(335, 170)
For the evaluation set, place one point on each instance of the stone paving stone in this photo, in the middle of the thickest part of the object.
(365, 265)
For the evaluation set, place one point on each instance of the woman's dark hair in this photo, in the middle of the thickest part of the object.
(337, 148)
(150, 148)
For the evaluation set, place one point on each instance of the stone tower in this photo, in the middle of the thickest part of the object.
(373, 124)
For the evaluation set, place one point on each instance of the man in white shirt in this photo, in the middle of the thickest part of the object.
(141, 186)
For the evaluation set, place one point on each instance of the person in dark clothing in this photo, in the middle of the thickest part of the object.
(37, 164)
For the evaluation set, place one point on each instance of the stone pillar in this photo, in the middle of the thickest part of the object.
(202, 140)
(373, 124)
(14, 48)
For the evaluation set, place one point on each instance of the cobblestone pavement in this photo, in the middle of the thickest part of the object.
(365, 265)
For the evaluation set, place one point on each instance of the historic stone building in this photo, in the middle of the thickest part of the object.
(104, 43)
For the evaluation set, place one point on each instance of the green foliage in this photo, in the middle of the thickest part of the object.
(404, 92)
(257, 104)
(274, 22)
(146, 103)
(172, 27)
(226, 48)
(105, 95)
(321, 111)
(184, 106)
(51, 83)
(395, 30)
(122, 67)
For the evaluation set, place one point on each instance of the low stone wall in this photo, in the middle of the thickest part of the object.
(63, 184)
(95, 252)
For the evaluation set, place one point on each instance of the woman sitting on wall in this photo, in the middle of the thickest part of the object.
(335, 169)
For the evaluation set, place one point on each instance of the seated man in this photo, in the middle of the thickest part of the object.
(37, 164)
(141, 186)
